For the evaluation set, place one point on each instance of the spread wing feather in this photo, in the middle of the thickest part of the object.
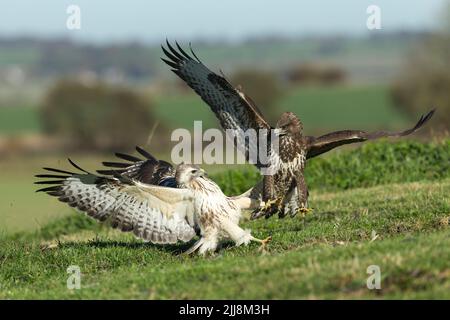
(325, 143)
(153, 213)
(232, 107)
(149, 170)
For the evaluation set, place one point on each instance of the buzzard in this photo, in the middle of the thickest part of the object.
(154, 200)
(285, 191)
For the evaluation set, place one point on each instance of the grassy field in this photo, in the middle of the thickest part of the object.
(19, 120)
(323, 256)
(321, 109)
(396, 217)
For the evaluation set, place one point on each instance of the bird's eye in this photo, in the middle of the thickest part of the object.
(194, 171)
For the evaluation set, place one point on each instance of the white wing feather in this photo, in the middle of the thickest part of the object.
(153, 213)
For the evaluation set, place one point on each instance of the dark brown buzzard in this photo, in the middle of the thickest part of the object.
(285, 191)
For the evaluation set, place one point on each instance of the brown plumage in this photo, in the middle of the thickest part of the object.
(285, 190)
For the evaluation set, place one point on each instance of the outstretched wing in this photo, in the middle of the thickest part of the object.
(153, 213)
(232, 107)
(149, 170)
(317, 146)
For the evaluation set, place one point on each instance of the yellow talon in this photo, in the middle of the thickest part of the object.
(264, 243)
(304, 211)
(269, 204)
(268, 209)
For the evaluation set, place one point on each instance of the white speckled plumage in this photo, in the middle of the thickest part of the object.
(156, 213)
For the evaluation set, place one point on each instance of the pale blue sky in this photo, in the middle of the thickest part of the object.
(108, 21)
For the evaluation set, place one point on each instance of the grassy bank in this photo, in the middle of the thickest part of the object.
(402, 228)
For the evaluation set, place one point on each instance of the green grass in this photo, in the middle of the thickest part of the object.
(396, 217)
(325, 255)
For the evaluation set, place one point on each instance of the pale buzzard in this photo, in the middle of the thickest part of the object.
(155, 201)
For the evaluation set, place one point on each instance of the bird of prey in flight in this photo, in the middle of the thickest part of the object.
(154, 200)
(285, 191)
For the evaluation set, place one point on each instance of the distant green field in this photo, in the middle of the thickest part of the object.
(321, 109)
(343, 108)
(17, 120)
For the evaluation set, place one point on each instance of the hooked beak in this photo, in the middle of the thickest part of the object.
(279, 132)
(201, 173)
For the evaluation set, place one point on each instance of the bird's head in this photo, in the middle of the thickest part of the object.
(186, 173)
(288, 124)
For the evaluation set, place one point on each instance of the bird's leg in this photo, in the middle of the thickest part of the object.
(263, 242)
(204, 246)
(270, 207)
(276, 206)
(304, 211)
(241, 236)
(271, 203)
(288, 196)
(302, 190)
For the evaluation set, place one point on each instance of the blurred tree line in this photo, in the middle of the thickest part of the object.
(263, 87)
(266, 88)
(425, 80)
(316, 74)
(64, 57)
(96, 116)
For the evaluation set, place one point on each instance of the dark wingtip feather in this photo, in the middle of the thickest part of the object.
(430, 114)
(182, 51)
(49, 189)
(49, 182)
(127, 157)
(170, 63)
(116, 164)
(145, 153)
(77, 166)
(169, 55)
(193, 53)
(110, 172)
(175, 52)
(51, 176)
(424, 119)
(58, 170)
